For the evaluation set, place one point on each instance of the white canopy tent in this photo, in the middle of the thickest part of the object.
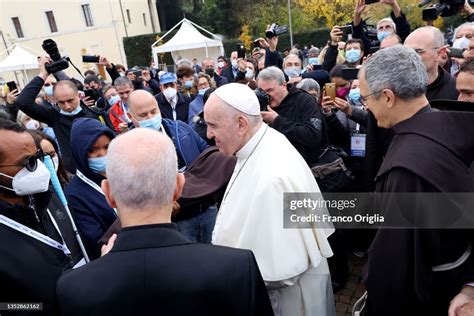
(20, 59)
(189, 43)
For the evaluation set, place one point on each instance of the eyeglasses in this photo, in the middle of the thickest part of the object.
(420, 51)
(363, 99)
(30, 163)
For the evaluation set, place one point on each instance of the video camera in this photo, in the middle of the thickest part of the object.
(275, 30)
(59, 63)
(443, 8)
(263, 99)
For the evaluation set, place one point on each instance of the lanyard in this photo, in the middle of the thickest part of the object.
(92, 184)
(34, 234)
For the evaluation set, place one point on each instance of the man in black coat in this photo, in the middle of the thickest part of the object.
(410, 270)
(173, 104)
(152, 268)
(60, 119)
(294, 113)
(32, 249)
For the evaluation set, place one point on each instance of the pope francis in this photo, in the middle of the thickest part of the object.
(292, 261)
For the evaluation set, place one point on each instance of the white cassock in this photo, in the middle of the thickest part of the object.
(292, 261)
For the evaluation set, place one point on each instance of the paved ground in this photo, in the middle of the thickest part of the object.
(354, 288)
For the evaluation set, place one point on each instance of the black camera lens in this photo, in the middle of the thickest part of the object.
(51, 48)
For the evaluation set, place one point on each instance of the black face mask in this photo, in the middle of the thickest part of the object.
(209, 72)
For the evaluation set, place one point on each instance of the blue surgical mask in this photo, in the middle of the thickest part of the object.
(75, 112)
(153, 123)
(382, 35)
(202, 91)
(188, 84)
(313, 61)
(98, 164)
(293, 72)
(49, 91)
(353, 55)
(354, 94)
(113, 100)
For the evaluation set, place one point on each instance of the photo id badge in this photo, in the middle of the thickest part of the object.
(357, 145)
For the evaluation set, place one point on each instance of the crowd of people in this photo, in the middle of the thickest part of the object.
(166, 192)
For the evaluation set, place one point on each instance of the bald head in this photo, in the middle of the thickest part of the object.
(145, 178)
(142, 105)
(390, 40)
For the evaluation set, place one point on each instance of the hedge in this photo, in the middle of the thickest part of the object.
(138, 48)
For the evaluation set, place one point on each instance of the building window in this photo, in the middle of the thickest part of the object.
(51, 21)
(86, 9)
(18, 29)
(144, 19)
(128, 16)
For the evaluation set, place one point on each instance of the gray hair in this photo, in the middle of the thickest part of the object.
(389, 20)
(184, 63)
(144, 177)
(406, 77)
(291, 55)
(471, 24)
(123, 81)
(438, 37)
(272, 73)
(309, 84)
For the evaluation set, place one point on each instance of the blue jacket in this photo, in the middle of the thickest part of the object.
(187, 142)
(91, 212)
(195, 107)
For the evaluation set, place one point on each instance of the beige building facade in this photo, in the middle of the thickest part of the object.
(79, 27)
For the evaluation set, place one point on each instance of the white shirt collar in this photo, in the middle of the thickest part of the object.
(245, 151)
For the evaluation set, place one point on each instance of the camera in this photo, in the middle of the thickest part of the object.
(263, 99)
(346, 29)
(443, 8)
(59, 63)
(275, 30)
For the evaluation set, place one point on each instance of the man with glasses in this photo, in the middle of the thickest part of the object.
(60, 119)
(409, 269)
(429, 44)
(32, 250)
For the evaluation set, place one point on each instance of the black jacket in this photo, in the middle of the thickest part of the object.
(182, 107)
(443, 88)
(60, 123)
(421, 158)
(153, 269)
(227, 73)
(301, 120)
(29, 268)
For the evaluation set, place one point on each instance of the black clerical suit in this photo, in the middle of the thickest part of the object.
(154, 270)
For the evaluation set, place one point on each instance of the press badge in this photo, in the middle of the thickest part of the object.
(357, 143)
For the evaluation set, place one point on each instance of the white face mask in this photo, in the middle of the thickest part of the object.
(249, 73)
(221, 64)
(235, 64)
(170, 93)
(33, 124)
(56, 163)
(461, 43)
(26, 182)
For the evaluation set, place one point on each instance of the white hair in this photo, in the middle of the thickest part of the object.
(467, 24)
(142, 177)
(389, 20)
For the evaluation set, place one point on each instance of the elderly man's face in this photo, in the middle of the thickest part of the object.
(465, 86)
(293, 61)
(221, 127)
(274, 90)
(385, 27)
(68, 100)
(467, 32)
(422, 43)
(368, 98)
(144, 110)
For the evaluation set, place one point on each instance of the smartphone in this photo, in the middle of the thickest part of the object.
(240, 51)
(350, 73)
(91, 94)
(90, 59)
(330, 90)
(346, 29)
(11, 86)
(256, 43)
(452, 53)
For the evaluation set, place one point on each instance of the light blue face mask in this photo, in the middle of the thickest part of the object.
(201, 92)
(354, 94)
(353, 55)
(98, 164)
(292, 72)
(48, 91)
(188, 84)
(382, 35)
(153, 123)
(113, 100)
(75, 112)
(313, 60)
